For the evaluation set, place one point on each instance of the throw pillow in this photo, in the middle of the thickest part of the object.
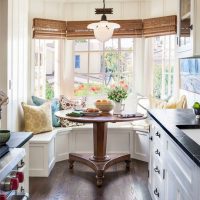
(67, 104)
(157, 103)
(37, 119)
(55, 106)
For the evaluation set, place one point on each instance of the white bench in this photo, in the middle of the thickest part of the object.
(48, 148)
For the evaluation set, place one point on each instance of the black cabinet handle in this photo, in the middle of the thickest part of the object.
(157, 170)
(22, 163)
(158, 134)
(157, 152)
(151, 138)
(191, 27)
(156, 192)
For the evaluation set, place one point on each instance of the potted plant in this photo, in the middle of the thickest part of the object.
(117, 93)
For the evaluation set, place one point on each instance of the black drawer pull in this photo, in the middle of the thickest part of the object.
(22, 163)
(158, 134)
(157, 152)
(151, 138)
(156, 192)
(157, 170)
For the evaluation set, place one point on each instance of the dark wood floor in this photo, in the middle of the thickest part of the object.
(80, 183)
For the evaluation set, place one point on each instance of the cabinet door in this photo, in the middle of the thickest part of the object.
(174, 189)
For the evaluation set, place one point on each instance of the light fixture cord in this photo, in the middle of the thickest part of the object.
(104, 4)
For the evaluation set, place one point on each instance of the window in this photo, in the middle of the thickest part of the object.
(45, 67)
(97, 65)
(163, 66)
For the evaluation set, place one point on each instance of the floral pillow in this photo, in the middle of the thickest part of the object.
(68, 104)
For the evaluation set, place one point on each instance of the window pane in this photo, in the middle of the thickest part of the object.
(96, 62)
(95, 45)
(126, 61)
(81, 62)
(81, 45)
(111, 44)
(111, 60)
(80, 85)
(126, 43)
(96, 78)
(163, 66)
(96, 85)
(45, 63)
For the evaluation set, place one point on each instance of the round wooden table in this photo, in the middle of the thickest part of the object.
(99, 161)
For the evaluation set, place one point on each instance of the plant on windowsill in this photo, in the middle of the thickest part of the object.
(118, 93)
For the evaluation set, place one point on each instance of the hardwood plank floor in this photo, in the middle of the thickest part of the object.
(80, 183)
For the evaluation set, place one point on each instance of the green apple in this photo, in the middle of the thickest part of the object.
(196, 105)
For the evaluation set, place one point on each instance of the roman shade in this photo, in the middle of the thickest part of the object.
(49, 29)
(160, 26)
(56, 29)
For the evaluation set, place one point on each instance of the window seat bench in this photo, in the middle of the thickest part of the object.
(46, 149)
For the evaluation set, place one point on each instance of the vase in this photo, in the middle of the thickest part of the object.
(118, 108)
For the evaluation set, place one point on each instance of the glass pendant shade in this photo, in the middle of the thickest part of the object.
(103, 30)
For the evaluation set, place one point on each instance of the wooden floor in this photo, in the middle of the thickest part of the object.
(80, 183)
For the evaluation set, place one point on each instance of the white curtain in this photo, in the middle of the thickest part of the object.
(143, 67)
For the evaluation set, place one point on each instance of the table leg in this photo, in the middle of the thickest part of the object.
(100, 142)
(99, 161)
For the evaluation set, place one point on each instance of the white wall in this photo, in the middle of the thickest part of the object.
(84, 10)
(3, 53)
(14, 67)
(163, 8)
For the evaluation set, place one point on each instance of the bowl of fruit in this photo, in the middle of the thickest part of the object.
(104, 105)
(196, 108)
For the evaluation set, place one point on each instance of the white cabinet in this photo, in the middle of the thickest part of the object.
(172, 174)
(188, 27)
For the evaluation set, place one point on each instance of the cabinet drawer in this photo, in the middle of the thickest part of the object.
(158, 134)
(158, 189)
(157, 169)
(158, 153)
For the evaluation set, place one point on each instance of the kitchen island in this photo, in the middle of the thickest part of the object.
(174, 167)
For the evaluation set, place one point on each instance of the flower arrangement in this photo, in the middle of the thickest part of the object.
(118, 92)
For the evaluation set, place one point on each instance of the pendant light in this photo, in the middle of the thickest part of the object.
(103, 30)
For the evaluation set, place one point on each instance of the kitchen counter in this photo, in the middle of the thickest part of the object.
(174, 122)
(18, 139)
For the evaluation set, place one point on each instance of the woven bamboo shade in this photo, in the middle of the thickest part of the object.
(49, 29)
(55, 29)
(160, 26)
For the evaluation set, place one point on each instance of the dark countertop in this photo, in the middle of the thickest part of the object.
(18, 139)
(172, 121)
